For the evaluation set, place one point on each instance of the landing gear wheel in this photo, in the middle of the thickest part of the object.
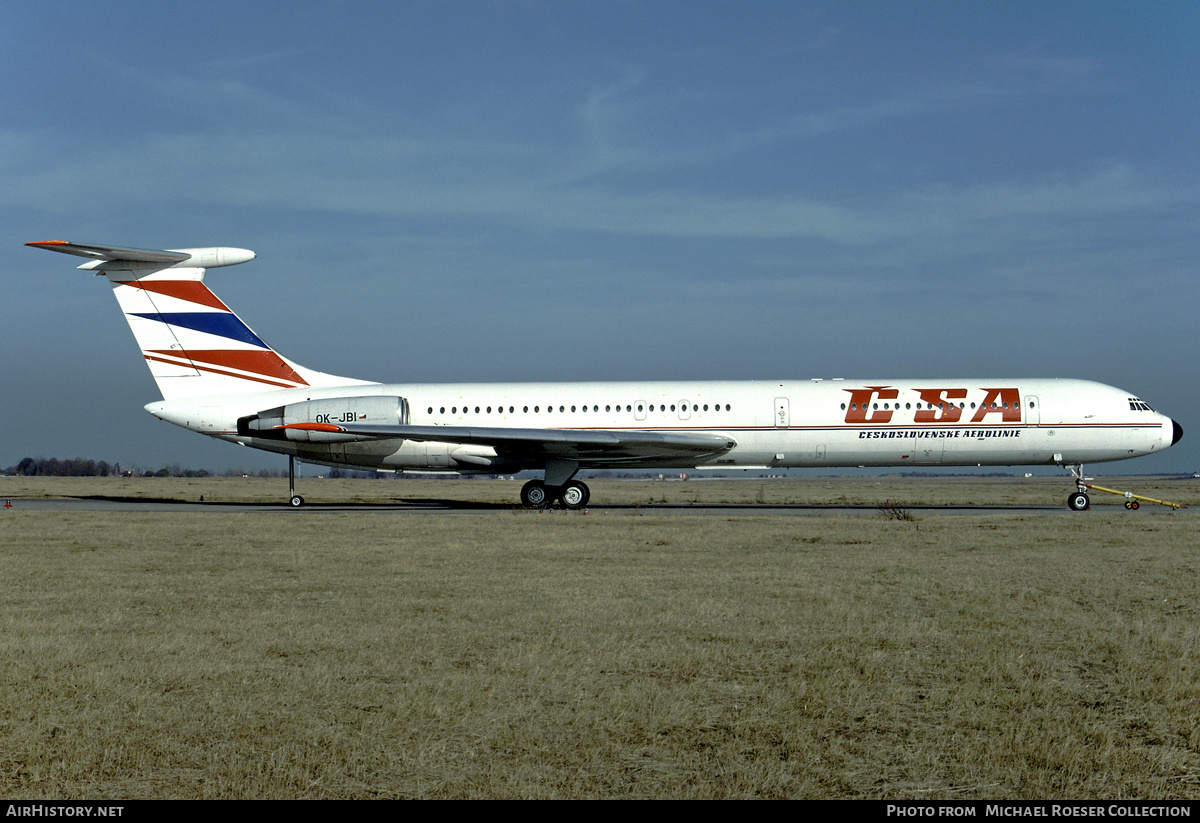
(1078, 502)
(574, 495)
(1131, 504)
(296, 501)
(533, 494)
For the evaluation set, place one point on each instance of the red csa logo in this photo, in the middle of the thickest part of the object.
(935, 406)
(860, 399)
(1005, 402)
(942, 411)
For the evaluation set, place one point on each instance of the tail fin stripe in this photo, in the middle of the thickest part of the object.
(219, 324)
(222, 372)
(252, 362)
(191, 291)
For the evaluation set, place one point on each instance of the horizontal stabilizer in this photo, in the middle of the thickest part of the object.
(97, 252)
(206, 258)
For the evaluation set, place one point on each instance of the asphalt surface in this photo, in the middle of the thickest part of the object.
(113, 504)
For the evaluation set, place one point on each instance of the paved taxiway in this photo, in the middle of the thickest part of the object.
(106, 504)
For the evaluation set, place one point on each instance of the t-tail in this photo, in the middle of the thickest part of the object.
(194, 344)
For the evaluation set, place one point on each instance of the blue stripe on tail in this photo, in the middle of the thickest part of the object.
(218, 323)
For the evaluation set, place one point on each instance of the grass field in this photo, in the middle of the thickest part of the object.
(503, 653)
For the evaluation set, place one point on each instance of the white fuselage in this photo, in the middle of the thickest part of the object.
(776, 424)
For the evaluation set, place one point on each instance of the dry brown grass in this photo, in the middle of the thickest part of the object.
(516, 654)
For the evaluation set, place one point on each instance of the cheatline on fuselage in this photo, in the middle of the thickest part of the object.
(219, 378)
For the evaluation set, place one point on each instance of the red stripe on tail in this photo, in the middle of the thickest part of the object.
(265, 363)
(192, 291)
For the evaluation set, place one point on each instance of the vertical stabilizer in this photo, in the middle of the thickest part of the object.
(193, 343)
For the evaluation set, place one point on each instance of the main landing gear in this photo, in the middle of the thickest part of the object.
(571, 495)
(556, 485)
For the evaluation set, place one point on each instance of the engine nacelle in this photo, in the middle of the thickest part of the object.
(312, 421)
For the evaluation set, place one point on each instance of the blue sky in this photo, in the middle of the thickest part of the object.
(461, 191)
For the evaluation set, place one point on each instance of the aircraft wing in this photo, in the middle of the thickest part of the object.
(111, 252)
(580, 445)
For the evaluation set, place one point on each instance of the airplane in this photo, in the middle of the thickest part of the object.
(219, 378)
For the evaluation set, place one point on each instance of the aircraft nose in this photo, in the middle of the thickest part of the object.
(1177, 432)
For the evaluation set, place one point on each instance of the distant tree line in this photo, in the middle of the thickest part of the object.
(79, 467)
(53, 467)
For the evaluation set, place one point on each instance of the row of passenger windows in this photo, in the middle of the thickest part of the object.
(896, 406)
(641, 407)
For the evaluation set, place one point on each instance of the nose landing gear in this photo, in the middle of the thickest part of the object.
(1079, 500)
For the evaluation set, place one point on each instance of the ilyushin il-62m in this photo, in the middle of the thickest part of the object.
(219, 378)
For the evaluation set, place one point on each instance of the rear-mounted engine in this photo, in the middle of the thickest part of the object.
(319, 421)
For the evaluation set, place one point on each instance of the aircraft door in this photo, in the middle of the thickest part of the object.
(781, 412)
(929, 455)
(1033, 411)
